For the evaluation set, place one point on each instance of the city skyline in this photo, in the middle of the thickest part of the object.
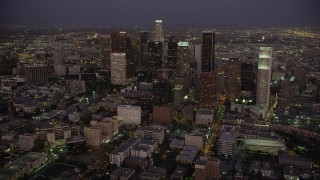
(220, 14)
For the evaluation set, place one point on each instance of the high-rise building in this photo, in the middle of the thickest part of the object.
(207, 90)
(129, 114)
(158, 33)
(155, 55)
(207, 168)
(144, 37)
(208, 50)
(118, 68)
(172, 55)
(183, 59)
(119, 42)
(247, 77)
(195, 139)
(286, 91)
(163, 115)
(105, 50)
(26, 141)
(37, 74)
(198, 57)
(264, 76)
(93, 136)
(162, 86)
(227, 144)
(233, 81)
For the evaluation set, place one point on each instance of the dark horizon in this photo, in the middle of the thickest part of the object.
(121, 13)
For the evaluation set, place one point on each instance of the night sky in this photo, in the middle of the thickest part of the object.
(122, 13)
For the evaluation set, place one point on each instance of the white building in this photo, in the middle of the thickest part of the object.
(123, 151)
(93, 136)
(108, 126)
(26, 141)
(227, 144)
(151, 133)
(204, 116)
(118, 68)
(195, 139)
(141, 151)
(130, 114)
(264, 76)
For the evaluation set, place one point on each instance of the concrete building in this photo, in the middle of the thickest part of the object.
(207, 168)
(37, 74)
(118, 68)
(130, 114)
(208, 51)
(26, 142)
(109, 127)
(227, 144)
(74, 117)
(105, 51)
(93, 136)
(74, 69)
(187, 155)
(207, 90)
(183, 59)
(179, 173)
(76, 86)
(163, 115)
(22, 166)
(233, 80)
(158, 32)
(195, 139)
(264, 76)
(123, 151)
(140, 151)
(153, 173)
(152, 133)
(122, 173)
(296, 161)
(204, 116)
(60, 70)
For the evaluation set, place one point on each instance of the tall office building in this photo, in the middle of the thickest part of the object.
(198, 57)
(207, 168)
(172, 55)
(118, 42)
(183, 59)
(93, 136)
(207, 90)
(233, 81)
(144, 37)
(155, 55)
(208, 50)
(118, 68)
(162, 86)
(105, 50)
(158, 33)
(264, 76)
(37, 74)
(247, 77)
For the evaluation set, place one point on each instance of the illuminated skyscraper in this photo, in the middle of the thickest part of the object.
(118, 68)
(158, 34)
(172, 55)
(118, 42)
(183, 59)
(264, 76)
(155, 55)
(207, 90)
(208, 50)
(105, 50)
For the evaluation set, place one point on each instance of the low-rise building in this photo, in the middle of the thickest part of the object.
(26, 141)
(122, 174)
(123, 151)
(204, 116)
(152, 133)
(196, 139)
(93, 136)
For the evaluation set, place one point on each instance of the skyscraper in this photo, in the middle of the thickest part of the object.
(208, 50)
(264, 76)
(247, 77)
(105, 50)
(155, 55)
(172, 55)
(144, 37)
(118, 68)
(158, 34)
(118, 42)
(183, 59)
(207, 90)
(233, 82)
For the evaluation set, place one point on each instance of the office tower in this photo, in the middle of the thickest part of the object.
(207, 90)
(207, 168)
(144, 37)
(158, 34)
(286, 91)
(58, 57)
(129, 114)
(37, 74)
(264, 76)
(163, 86)
(247, 77)
(155, 55)
(119, 42)
(233, 81)
(118, 68)
(208, 50)
(105, 50)
(198, 57)
(183, 59)
(172, 55)
(132, 55)
(93, 136)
